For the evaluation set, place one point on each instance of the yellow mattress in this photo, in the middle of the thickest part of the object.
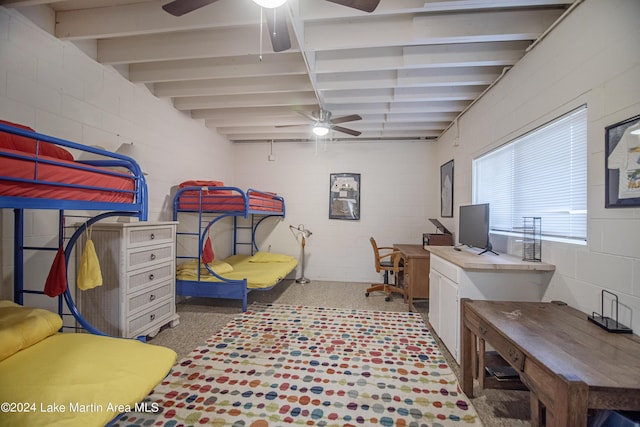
(79, 380)
(261, 270)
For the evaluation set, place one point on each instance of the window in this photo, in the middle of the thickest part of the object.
(542, 173)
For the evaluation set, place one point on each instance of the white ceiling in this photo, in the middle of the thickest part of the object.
(409, 68)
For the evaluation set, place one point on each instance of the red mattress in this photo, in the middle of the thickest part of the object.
(101, 185)
(222, 200)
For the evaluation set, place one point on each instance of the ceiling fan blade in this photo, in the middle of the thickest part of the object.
(346, 130)
(307, 115)
(351, 118)
(278, 28)
(180, 7)
(364, 5)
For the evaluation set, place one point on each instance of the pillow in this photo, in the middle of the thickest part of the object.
(21, 327)
(201, 183)
(270, 257)
(28, 145)
(221, 267)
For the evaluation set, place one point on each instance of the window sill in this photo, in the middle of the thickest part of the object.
(544, 238)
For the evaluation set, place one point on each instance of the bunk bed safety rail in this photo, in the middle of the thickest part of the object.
(210, 199)
(35, 161)
(230, 200)
(277, 201)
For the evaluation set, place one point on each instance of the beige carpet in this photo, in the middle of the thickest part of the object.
(200, 318)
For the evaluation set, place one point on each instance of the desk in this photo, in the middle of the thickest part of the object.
(416, 271)
(568, 363)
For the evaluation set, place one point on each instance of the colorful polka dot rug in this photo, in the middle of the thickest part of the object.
(282, 365)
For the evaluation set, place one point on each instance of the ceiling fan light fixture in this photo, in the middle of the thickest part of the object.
(270, 4)
(321, 129)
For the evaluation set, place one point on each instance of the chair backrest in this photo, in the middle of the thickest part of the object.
(376, 254)
(392, 255)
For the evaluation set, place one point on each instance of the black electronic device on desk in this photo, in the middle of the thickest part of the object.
(445, 238)
(474, 227)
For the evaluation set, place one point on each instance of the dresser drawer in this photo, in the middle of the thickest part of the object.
(406, 274)
(146, 299)
(145, 236)
(445, 268)
(140, 279)
(143, 321)
(142, 257)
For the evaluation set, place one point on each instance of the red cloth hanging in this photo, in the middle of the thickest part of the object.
(207, 252)
(56, 282)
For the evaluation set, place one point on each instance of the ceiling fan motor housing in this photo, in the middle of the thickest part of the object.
(322, 115)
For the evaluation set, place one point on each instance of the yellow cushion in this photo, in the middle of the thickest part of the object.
(220, 267)
(21, 327)
(259, 275)
(94, 378)
(270, 257)
(190, 268)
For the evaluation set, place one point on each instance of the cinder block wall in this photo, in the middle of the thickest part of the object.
(56, 89)
(591, 58)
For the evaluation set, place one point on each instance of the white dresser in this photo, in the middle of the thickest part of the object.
(137, 260)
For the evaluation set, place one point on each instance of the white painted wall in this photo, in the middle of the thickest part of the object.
(56, 89)
(399, 181)
(592, 57)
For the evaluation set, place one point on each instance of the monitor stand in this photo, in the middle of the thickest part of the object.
(489, 248)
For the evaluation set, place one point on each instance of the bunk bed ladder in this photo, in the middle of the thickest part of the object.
(243, 234)
(248, 229)
(19, 249)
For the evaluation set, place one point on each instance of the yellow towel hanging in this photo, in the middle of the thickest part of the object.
(89, 274)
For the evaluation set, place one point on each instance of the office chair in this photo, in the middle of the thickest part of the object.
(388, 261)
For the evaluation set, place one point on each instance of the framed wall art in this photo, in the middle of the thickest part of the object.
(344, 196)
(622, 164)
(446, 190)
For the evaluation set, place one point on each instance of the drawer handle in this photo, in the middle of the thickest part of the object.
(153, 256)
(152, 297)
(153, 236)
(151, 276)
(152, 317)
(513, 355)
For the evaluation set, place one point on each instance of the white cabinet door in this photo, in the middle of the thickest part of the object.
(434, 300)
(449, 315)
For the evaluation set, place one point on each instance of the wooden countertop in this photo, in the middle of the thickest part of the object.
(411, 250)
(470, 260)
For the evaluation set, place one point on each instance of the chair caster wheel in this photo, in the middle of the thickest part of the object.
(366, 294)
(387, 299)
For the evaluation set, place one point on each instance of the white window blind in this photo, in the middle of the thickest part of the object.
(541, 174)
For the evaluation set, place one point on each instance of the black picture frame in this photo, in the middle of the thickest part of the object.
(446, 190)
(622, 153)
(344, 196)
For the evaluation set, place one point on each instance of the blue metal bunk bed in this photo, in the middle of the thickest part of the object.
(90, 376)
(37, 171)
(248, 210)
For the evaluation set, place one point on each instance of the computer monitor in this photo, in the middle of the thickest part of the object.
(474, 227)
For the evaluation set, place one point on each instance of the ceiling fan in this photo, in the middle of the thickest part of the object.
(323, 123)
(276, 21)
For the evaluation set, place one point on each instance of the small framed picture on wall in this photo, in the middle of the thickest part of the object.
(622, 164)
(344, 196)
(446, 190)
